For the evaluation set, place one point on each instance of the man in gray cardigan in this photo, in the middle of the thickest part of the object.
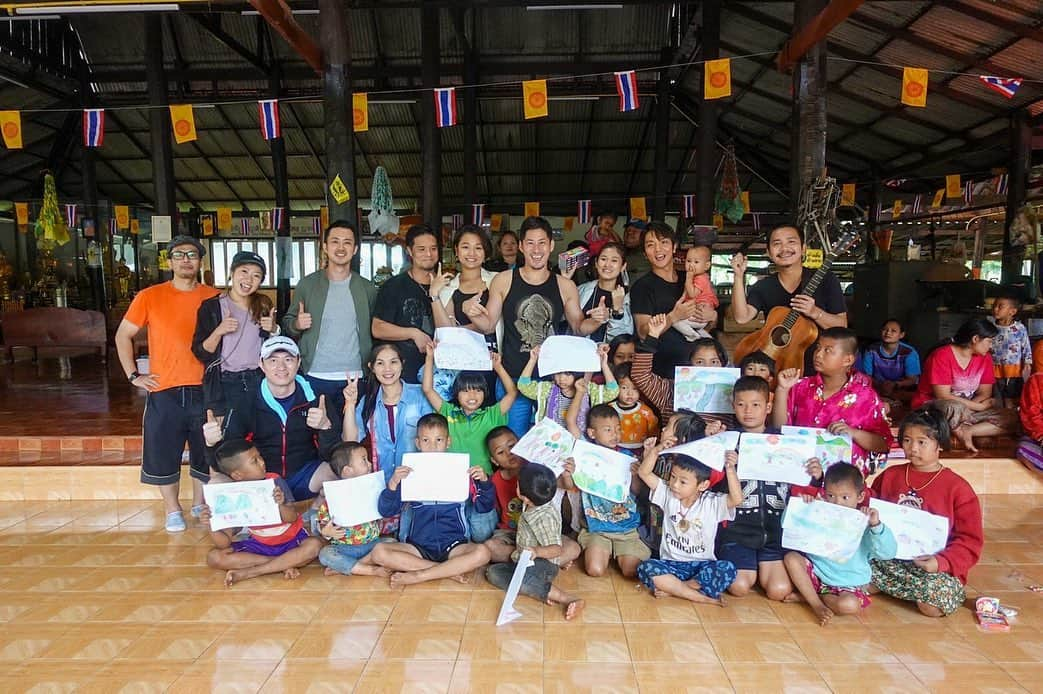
(330, 317)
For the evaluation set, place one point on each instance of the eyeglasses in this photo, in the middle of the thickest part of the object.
(178, 255)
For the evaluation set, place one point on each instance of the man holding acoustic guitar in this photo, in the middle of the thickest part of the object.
(787, 340)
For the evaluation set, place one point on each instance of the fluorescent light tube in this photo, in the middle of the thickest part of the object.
(97, 9)
(532, 8)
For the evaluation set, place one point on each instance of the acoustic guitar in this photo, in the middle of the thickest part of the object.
(787, 334)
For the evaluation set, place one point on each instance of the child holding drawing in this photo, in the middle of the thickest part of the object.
(836, 398)
(935, 582)
(554, 397)
(270, 549)
(838, 587)
(686, 567)
(435, 543)
(348, 551)
(539, 531)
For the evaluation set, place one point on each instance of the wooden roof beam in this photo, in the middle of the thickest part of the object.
(814, 32)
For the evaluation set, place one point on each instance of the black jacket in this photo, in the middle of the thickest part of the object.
(207, 319)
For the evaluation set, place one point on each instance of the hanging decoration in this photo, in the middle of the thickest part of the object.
(50, 223)
(445, 107)
(224, 219)
(93, 127)
(638, 209)
(21, 215)
(183, 123)
(11, 128)
(70, 215)
(626, 86)
(360, 112)
(728, 201)
(382, 218)
(914, 86)
(477, 214)
(847, 195)
(953, 188)
(457, 221)
(717, 78)
(532, 209)
(534, 95)
(324, 217)
(583, 211)
(1005, 86)
(688, 205)
(939, 198)
(268, 112)
(278, 219)
(208, 225)
(122, 217)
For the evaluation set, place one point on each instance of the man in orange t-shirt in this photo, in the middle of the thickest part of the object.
(174, 409)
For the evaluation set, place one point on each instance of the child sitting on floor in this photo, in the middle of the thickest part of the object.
(283, 547)
(611, 526)
(636, 419)
(348, 551)
(539, 531)
(934, 582)
(686, 567)
(553, 398)
(698, 290)
(435, 543)
(836, 398)
(838, 587)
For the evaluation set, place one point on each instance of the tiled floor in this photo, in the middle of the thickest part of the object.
(96, 597)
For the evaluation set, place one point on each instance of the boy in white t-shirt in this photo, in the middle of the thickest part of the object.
(686, 567)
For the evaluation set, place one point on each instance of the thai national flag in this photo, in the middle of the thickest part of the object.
(688, 208)
(114, 227)
(277, 218)
(917, 204)
(626, 85)
(268, 110)
(1001, 184)
(93, 126)
(458, 221)
(583, 212)
(968, 193)
(478, 214)
(1006, 87)
(70, 216)
(244, 226)
(445, 107)
(316, 226)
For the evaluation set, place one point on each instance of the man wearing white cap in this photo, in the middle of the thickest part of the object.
(285, 421)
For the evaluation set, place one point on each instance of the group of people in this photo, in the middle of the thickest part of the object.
(344, 384)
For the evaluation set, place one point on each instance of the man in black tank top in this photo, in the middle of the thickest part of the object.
(532, 301)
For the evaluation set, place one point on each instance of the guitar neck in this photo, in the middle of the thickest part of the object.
(812, 285)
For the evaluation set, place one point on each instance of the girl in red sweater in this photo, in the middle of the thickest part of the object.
(935, 582)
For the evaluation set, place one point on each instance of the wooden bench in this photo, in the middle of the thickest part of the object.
(54, 327)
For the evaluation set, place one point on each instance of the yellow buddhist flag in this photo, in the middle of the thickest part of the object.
(183, 123)
(11, 127)
(495, 222)
(938, 198)
(847, 195)
(339, 191)
(208, 226)
(637, 208)
(745, 197)
(122, 216)
(324, 217)
(569, 223)
(717, 78)
(914, 86)
(21, 213)
(135, 227)
(813, 258)
(359, 112)
(532, 209)
(534, 93)
(718, 221)
(224, 218)
(953, 186)
(896, 211)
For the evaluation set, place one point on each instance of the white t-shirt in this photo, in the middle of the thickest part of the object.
(700, 520)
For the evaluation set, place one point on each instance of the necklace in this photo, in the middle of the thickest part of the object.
(683, 524)
(913, 489)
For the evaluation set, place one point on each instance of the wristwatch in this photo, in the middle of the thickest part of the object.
(133, 376)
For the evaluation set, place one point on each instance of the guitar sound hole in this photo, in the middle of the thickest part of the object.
(780, 337)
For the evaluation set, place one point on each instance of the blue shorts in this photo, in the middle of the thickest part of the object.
(747, 559)
(438, 554)
(299, 480)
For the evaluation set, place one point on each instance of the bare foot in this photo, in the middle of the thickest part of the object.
(824, 614)
(462, 578)
(566, 566)
(230, 578)
(404, 578)
(966, 439)
(573, 609)
(793, 597)
(660, 594)
(291, 573)
(370, 570)
(330, 572)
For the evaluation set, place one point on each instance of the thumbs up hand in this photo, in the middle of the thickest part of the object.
(317, 417)
(303, 318)
(227, 324)
(212, 429)
(268, 321)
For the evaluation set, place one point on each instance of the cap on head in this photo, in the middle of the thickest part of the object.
(637, 223)
(279, 343)
(185, 240)
(249, 258)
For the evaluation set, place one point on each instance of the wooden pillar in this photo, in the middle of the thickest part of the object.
(706, 154)
(431, 139)
(808, 130)
(1017, 187)
(281, 183)
(165, 202)
(335, 40)
(662, 140)
(470, 134)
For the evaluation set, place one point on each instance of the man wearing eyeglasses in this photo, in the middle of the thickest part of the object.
(174, 409)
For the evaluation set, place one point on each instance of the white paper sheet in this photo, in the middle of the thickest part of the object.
(829, 448)
(507, 612)
(161, 225)
(461, 349)
(601, 471)
(917, 532)
(710, 450)
(354, 501)
(436, 477)
(821, 528)
(547, 443)
(241, 504)
(568, 353)
(775, 458)
(704, 388)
